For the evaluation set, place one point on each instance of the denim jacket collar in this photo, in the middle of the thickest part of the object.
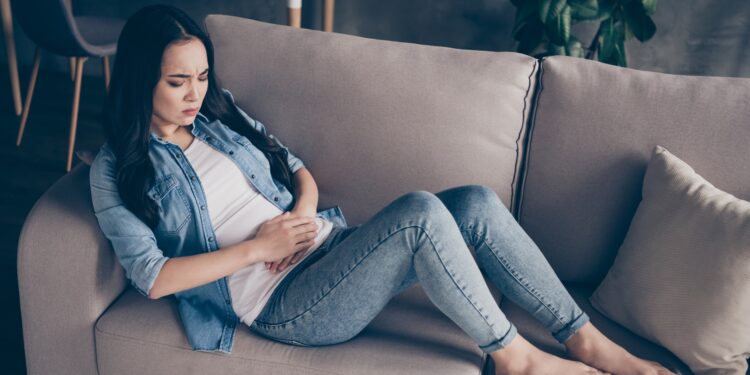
(200, 121)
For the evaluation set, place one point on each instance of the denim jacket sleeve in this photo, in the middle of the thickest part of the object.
(294, 162)
(133, 241)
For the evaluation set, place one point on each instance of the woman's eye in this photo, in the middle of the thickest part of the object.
(175, 84)
(202, 79)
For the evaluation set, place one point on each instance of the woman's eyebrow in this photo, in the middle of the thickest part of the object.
(187, 75)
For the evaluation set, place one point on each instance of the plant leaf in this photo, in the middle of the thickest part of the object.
(606, 7)
(530, 35)
(616, 47)
(544, 6)
(618, 56)
(574, 48)
(649, 5)
(558, 25)
(606, 38)
(525, 10)
(638, 21)
(584, 9)
(555, 49)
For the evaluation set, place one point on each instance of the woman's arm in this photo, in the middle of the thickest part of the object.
(306, 191)
(182, 273)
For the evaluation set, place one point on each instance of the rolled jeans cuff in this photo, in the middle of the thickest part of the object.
(501, 343)
(564, 334)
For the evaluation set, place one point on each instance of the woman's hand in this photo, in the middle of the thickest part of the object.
(297, 212)
(284, 236)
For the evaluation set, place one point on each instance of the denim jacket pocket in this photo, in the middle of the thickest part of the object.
(333, 215)
(173, 206)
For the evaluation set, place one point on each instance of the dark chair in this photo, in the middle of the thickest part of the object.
(52, 27)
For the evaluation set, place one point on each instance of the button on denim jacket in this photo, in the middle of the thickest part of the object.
(184, 225)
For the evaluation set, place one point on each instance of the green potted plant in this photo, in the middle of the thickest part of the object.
(543, 27)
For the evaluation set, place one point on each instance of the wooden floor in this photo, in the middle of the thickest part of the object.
(26, 171)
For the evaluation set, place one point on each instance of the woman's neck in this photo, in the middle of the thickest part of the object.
(182, 136)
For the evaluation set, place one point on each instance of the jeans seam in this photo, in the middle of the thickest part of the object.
(473, 304)
(349, 271)
(508, 269)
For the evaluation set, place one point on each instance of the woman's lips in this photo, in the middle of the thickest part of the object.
(190, 112)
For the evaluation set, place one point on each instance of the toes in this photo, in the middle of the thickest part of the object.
(593, 370)
(660, 368)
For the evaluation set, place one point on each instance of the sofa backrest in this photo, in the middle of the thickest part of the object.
(375, 119)
(591, 135)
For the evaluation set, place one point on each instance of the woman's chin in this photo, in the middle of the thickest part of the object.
(187, 120)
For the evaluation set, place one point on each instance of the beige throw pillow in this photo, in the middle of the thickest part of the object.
(682, 275)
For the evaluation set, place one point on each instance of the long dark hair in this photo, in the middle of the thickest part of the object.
(127, 116)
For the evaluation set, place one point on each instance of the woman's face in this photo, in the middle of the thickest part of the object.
(179, 93)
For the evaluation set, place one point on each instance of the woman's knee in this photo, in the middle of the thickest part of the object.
(420, 203)
(480, 193)
(470, 199)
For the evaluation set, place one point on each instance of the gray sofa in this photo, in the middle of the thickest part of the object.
(563, 141)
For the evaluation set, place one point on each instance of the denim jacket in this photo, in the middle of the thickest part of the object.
(184, 226)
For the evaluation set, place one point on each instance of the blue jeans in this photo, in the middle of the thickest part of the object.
(422, 237)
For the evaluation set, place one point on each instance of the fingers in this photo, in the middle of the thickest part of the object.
(297, 256)
(292, 259)
(280, 265)
(297, 221)
(300, 232)
(305, 232)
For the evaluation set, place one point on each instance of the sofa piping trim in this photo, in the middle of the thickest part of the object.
(518, 162)
(527, 142)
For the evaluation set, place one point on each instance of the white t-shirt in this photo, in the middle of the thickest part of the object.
(237, 210)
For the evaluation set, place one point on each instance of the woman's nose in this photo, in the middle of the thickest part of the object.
(192, 93)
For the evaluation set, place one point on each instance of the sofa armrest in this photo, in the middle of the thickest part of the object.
(67, 276)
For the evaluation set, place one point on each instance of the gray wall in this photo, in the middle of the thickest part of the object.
(701, 37)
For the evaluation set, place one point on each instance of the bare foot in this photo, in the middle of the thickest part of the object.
(520, 357)
(590, 346)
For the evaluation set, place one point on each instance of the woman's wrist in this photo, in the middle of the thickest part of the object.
(252, 249)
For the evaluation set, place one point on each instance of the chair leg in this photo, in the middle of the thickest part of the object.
(105, 67)
(328, 15)
(294, 9)
(74, 114)
(29, 94)
(10, 48)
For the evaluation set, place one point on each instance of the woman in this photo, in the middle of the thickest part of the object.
(200, 202)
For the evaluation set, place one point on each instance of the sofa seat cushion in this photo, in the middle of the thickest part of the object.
(536, 334)
(410, 336)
